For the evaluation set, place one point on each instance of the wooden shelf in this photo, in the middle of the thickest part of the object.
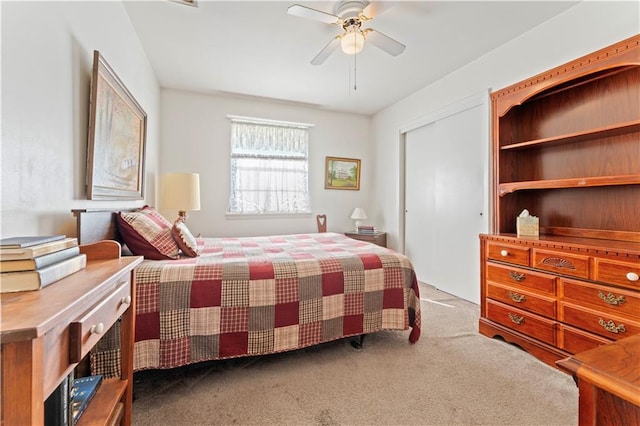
(104, 403)
(605, 131)
(507, 188)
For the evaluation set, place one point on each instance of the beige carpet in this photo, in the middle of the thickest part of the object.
(452, 376)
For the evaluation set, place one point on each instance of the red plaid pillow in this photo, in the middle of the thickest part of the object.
(148, 234)
(184, 238)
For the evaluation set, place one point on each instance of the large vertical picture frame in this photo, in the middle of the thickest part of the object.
(117, 137)
(342, 173)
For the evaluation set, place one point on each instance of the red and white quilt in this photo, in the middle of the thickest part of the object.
(261, 295)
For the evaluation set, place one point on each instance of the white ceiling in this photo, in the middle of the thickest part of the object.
(254, 48)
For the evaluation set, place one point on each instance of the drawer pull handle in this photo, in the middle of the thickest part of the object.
(504, 253)
(516, 276)
(611, 326)
(516, 319)
(632, 276)
(97, 328)
(126, 300)
(518, 298)
(611, 299)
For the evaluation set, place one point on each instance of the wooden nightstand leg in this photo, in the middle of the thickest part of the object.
(22, 371)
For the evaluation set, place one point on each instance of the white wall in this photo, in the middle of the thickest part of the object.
(196, 138)
(47, 50)
(584, 28)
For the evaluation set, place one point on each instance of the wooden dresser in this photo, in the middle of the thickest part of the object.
(45, 334)
(566, 147)
(556, 296)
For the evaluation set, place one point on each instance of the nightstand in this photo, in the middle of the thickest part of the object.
(379, 238)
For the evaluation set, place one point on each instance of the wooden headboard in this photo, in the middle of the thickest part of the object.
(97, 225)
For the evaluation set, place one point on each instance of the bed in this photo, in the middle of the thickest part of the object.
(258, 295)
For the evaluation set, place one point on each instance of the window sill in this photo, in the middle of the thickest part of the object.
(266, 215)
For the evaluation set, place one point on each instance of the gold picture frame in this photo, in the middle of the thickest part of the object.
(342, 173)
(117, 138)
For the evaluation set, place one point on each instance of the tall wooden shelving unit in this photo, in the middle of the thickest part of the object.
(566, 146)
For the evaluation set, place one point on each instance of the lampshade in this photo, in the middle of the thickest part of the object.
(181, 191)
(352, 41)
(358, 214)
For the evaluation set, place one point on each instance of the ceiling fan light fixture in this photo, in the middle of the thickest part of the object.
(352, 41)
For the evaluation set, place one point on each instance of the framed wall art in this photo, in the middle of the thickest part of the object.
(117, 137)
(342, 173)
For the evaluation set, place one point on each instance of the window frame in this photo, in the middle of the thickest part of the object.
(271, 123)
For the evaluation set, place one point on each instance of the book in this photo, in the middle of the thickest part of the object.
(56, 406)
(38, 250)
(35, 280)
(83, 389)
(367, 229)
(21, 242)
(38, 262)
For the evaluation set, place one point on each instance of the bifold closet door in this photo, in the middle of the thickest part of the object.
(445, 163)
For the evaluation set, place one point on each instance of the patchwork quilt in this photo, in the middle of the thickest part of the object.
(261, 295)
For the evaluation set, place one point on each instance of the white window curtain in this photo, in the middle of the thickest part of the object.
(269, 168)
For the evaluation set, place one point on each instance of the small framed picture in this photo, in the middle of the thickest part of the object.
(342, 173)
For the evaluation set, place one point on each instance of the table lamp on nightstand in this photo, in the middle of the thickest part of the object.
(358, 215)
(181, 191)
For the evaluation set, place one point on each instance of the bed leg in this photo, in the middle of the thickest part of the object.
(357, 341)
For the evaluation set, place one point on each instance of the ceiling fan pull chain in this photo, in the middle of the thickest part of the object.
(355, 72)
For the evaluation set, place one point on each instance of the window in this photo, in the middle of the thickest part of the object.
(269, 167)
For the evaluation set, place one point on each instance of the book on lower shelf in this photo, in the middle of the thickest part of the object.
(39, 278)
(31, 252)
(82, 391)
(57, 409)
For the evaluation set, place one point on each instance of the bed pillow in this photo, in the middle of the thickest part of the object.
(147, 233)
(184, 238)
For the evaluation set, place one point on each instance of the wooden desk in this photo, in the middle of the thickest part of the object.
(608, 379)
(379, 238)
(45, 333)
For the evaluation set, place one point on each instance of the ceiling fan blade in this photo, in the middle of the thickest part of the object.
(386, 43)
(375, 8)
(326, 51)
(316, 15)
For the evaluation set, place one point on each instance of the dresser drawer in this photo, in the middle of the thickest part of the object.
(575, 341)
(522, 321)
(608, 300)
(620, 273)
(508, 253)
(86, 330)
(561, 263)
(604, 324)
(545, 306)
(521, 278)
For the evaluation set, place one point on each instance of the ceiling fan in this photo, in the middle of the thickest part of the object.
(350, 15)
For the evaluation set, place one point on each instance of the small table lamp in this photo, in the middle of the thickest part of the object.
(181, 191)
(358, 215)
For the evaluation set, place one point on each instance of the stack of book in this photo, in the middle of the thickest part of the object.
(31, 263)
(70, 399)
(367, 229)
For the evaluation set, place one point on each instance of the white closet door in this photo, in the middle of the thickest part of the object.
(445, 198)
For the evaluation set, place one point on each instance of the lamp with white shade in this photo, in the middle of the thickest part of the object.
(358, 215)
(181, 191)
